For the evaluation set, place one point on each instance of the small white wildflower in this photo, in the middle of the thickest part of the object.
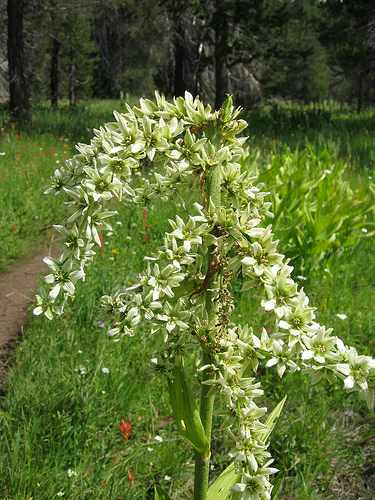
(150, 449)
(341, 316)
(326, 171)
(60, 494)
(2, 153)
(57, 161)
(167, 478)
(71, 473)
(119, 223)
(301, 277)
(105, 370)
(109, 233)
(128, 238)
(79, 352)
(364, 230)
(159, 439)
(81, 369)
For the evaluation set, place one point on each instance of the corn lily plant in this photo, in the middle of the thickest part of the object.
(184, 292)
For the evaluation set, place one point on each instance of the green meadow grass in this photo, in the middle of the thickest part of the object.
(28, 157)
(70, 387)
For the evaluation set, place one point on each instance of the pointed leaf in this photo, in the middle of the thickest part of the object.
(220, 489)
(185, 411)
(271, 420)
(161, 494)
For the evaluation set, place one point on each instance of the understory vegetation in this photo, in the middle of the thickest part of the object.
(81, 416)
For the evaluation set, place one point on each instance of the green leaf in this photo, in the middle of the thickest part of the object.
(271, 420)
(161, 494)
(277, 482)
(220, 489)
(185, 411)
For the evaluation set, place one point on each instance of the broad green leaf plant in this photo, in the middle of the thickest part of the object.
(184, 292)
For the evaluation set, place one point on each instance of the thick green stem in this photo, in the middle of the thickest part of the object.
(202, 462)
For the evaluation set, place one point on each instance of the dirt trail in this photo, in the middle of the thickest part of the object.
(17, 290)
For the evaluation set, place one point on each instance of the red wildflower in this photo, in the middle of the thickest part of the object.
(126, 428)
(101, 243)
(145, 236)
(131, 478)
(148, 228)
(14, 228)
(104, 484)
(145, 215)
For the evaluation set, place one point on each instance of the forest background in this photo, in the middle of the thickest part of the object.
(305, 50)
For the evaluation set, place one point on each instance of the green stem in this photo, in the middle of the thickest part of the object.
(202, 462)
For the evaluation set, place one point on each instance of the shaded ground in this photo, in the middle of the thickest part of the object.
(17, 290)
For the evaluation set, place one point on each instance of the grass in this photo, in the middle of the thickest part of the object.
(28, 157)
(60, 411)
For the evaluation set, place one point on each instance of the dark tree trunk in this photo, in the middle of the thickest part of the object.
(55, 52)
(72, 78)
(221, 49)
(56, 45)
(360, 91)
(19, 105)
(221, 78)
(179, 86)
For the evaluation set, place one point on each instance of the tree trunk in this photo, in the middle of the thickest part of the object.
(56, 45)
(221, 78)
(55, 52)
(360, 91)
(19, 106)
(72, 98)
(221, 48)
(179, 86)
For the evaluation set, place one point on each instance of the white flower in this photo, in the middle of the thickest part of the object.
(81, 369)
(71, 473)
(167, 478)
(341, 316)
(364, 230)
(2, 154)
(105, 370)
(60, 494)
(159, 439)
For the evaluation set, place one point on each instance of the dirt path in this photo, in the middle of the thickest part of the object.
(17, 290)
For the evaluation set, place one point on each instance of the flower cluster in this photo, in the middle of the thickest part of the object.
(184, 292)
